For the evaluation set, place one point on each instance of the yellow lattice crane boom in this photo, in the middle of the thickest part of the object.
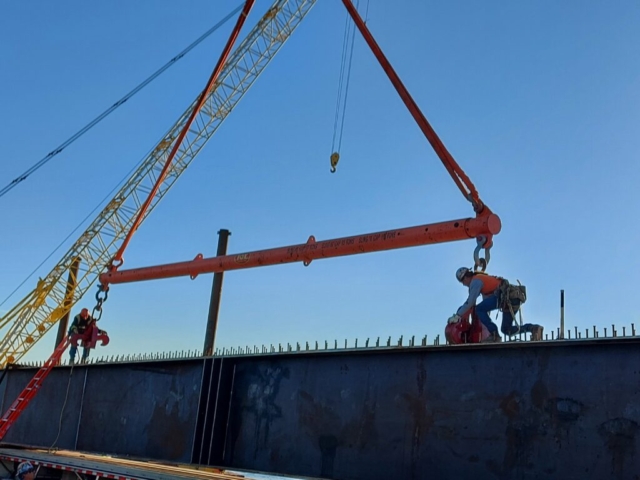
(50, 300)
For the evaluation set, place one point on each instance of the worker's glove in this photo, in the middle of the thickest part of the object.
(454, 319)
(73, 330)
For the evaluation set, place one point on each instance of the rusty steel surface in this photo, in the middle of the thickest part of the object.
(523, 410)
(142, 410)
(146, 410)
(44, 422)
(519, 411)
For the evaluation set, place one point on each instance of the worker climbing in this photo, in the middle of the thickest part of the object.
(497, 294)
(82, 329)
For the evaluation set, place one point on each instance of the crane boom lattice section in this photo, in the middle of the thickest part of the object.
(41, 309)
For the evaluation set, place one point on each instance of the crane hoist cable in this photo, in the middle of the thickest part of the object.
(116, 105)
(343, 90)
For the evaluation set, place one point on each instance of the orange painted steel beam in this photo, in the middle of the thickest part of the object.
(462, 229)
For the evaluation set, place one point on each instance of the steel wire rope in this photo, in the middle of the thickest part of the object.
(343, 84)
(64, 404)
(100, 203)
(119, 103)
(346, 88)
(340, 82)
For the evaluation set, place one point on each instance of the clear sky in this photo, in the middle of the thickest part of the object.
(539, 101)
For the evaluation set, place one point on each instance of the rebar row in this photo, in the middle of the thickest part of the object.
(139, 357)
(554, 335)
(249, 350)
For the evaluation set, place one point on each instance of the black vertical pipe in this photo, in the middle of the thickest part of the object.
(216, 292)
(71, 286)
(561, 314)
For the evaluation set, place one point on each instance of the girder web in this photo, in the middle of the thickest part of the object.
(42, 308)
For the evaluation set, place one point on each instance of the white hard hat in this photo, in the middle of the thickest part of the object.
(23, 469)
(461, 272)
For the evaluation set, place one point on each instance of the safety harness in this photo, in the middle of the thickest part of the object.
(511, 297)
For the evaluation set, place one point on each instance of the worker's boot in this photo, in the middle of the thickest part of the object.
(492, 338)
(536, 333)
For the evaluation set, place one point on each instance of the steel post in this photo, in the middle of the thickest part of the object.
(561, 315)
(216, 292)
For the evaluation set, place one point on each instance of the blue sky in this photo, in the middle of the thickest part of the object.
(538, 101)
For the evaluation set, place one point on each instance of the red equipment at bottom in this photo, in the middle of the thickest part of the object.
(90, 337)
(465, 331)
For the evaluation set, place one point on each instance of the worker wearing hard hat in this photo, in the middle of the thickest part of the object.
(79, 325)
(25, 471)
(496, 293)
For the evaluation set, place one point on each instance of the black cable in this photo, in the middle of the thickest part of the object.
(64, 404)
(107, 196)
(113, 107)
(346, 88)
(343, 57)
(343, 84)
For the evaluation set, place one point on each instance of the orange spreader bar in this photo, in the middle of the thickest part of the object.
(463, 229)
